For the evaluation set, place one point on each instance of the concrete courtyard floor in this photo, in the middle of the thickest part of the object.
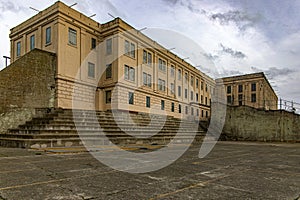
(232, 170)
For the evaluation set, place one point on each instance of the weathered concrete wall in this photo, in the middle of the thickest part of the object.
(26, 84)
(246, 123)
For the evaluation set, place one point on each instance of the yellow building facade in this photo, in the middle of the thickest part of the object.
(252, 90)
(112, 66)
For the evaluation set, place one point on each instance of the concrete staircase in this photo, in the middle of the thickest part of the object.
(73, 128)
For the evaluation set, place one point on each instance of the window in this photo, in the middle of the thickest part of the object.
(192, 111)
(206, 88)
(205, 100)
(108, 46)
(147, 57)
(197, 83)
(253, 87)
(240, 97)
(108, 71)
(202, 113)
(161, 85)
(197, 97)
(186, 77)
(172, 107)
(253, 98)
(129, 49)
(240, 88)
(108, 96)
(48, 35)
(93, 43)
(172, 88)
(202, 85)
(192, 81)
(147, 102)
(18, 48)
(179, 108)
(161, 65)
(162, 105)
(186, 110)
(229, 89)
(202, 99)
(131, 98)
(179, 74)
(229, 99)
(147, 80)
(179, 91)
(192, 95)
(129, 73)
(72, 37)
(197, 112)
(32, 42)
(172, 71)
(91, 70)
(185, 93)
(206, 114)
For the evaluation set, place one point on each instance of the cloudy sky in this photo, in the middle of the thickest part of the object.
(236, 36)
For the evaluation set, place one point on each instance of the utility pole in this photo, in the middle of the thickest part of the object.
(6, 58)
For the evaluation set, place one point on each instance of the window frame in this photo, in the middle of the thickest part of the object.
(130, 98)
(48, 36)
(18, 52)
(91, 70)
(32, 42)
(72, 36)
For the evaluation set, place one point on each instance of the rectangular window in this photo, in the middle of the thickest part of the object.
(205, 100)
(185, 93)
(253, 98)
(240, 88)
(48, 35)
(145, 58)
(108, 71)
(186, 110)
(192, 95)
(108, 96)
(149, 80)
(131, 98)
(202, 85)
(179, 74)
(179, 108)
(149, 58)
(145, 79)
(91, 70)
(192, 81)
(93, 43)
(18, 48)
(161, 85)
(197, 97)
(132, 50)
(72, 36)
(172, 71)
(229, 89)
(172, 107)
(240, 97)
(206, 114)
(206, 88)
(147, 102)
(162, 105)
(108, 46)
(253, 87)
(32, 42)
(197, 112)
(197, 83)
(229, 100)
(129, 73)
(202, 113)
(172, 88)
(161, 65)
(127, 48)
(192, 111)
(179, 91)
(185, 77)
(202, 99)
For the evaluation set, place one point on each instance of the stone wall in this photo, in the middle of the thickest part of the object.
(249, 124)
(26, 84)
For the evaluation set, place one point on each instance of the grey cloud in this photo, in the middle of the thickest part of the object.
(188, 4)
(226, 73)
(235, 54)
(241, 19)
(274, 72)
(9, 6)
(210, 57)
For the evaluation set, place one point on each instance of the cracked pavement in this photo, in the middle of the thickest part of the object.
(233, 170)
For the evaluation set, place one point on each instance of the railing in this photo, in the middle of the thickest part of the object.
(291, 106)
